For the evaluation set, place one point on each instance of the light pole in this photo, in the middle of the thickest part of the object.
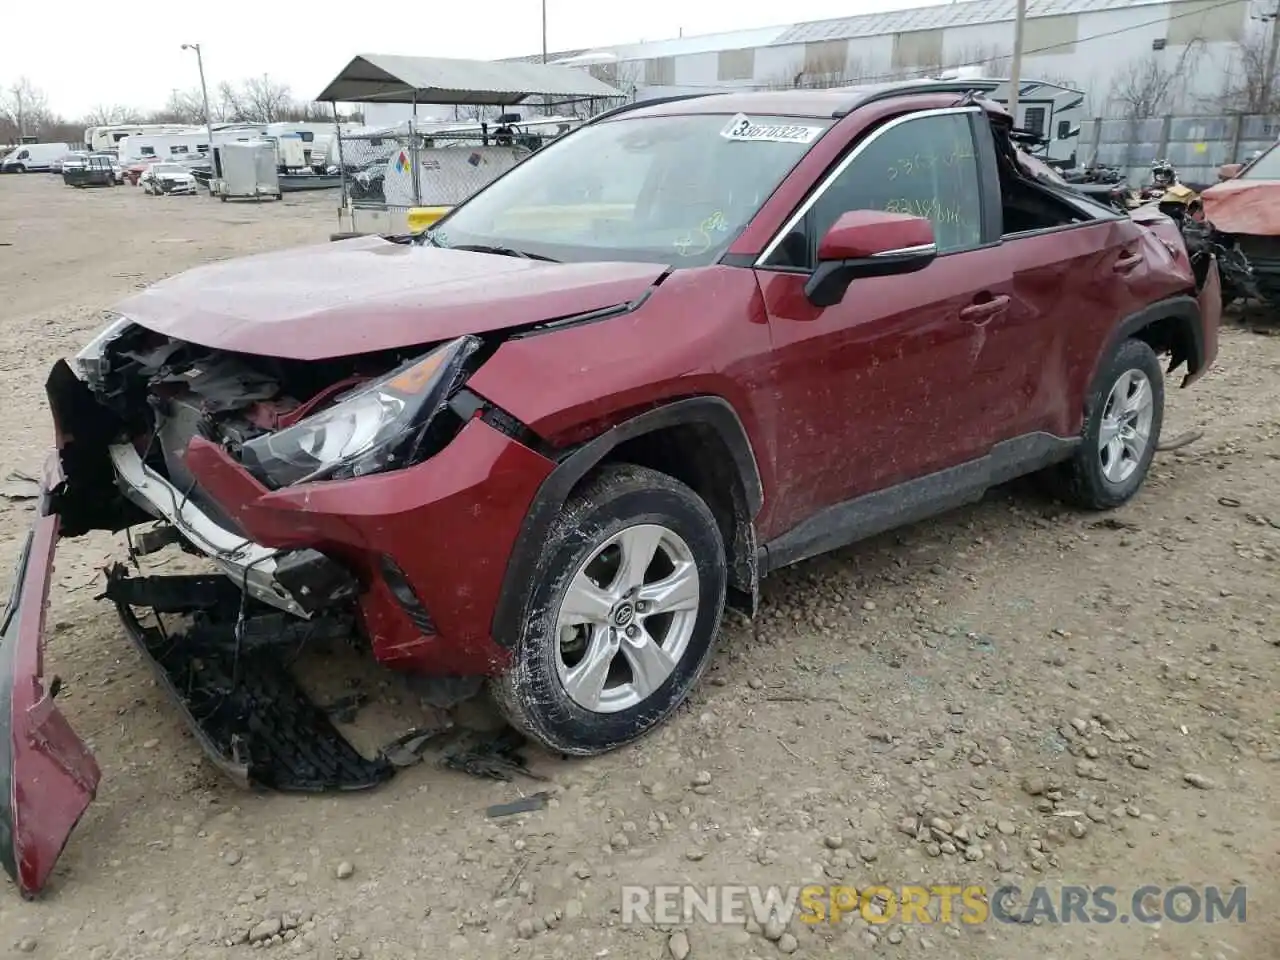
(204, 92)
(1015, 64)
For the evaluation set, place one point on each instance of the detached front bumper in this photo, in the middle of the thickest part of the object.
(1210, 302)
(47, 775)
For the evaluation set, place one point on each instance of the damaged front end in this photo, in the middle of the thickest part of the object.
(220, 454)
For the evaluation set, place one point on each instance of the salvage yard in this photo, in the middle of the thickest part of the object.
(1014, 694)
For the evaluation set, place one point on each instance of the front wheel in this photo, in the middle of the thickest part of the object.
(627, 599)
(1122, 427)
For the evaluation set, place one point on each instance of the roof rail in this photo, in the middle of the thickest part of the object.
(911, 88)
(652, 102)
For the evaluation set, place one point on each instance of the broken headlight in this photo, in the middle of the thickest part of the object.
(377, 427)
(90, 363)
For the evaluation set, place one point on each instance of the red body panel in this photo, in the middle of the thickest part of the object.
(49, 775)
(886, 373)
(1244, 206)
(366, 294)
(448, 523)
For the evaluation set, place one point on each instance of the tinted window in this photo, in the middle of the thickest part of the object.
(925, 167)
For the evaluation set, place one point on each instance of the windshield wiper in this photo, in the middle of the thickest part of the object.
(502, 251)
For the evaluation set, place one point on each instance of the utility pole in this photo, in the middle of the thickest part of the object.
(1272, 48)
(1015, 64)
(204, 93)
(546, 100)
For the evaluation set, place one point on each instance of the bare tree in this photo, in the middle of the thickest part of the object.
(183, 106)
(107, 114)
(267, 99)
(24, 109)
(1143, 88)
(1248, 85)
(1149, 86)
(256, 100)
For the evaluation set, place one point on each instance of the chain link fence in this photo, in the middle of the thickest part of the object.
(1195, 145)
(396, 169)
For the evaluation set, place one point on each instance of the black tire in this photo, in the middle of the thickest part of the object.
(530, 693)
(1081, 481)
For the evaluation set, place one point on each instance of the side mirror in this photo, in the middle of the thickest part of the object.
(868, 243)
(1229, 171)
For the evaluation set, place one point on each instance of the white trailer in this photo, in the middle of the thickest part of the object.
(106, 137)
(175, 146)
(1051, 110)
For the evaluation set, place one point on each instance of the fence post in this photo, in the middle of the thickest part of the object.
(1166, 127)
(342, 164)
(1237, 131)
(413, 152)
(1097, 139)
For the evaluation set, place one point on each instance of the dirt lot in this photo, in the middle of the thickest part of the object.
(1044, 681)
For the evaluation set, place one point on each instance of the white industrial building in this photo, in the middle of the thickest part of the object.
(1184, 53)
(1095, 46)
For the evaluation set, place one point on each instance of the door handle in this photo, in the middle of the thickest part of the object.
(1127, 262)
(980, 313)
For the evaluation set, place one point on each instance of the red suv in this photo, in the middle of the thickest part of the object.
(545, 443)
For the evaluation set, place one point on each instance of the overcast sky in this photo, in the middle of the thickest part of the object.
(83, 54)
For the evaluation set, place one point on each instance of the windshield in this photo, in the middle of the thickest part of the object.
(673, 189)
(167, 168)
(1266, 167)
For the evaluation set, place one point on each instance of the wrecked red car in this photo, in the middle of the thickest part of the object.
(1245, 212)
(544, 444)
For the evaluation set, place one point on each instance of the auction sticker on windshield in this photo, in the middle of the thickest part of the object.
(741, 127)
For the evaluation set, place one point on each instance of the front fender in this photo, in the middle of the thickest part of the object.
(713, 412)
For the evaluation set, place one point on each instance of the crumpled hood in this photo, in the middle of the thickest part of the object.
(367, 294)
(1244, 206)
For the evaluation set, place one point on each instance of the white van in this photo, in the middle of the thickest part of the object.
(34, 157)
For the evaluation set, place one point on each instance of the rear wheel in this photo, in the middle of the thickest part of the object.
(627, 599)
(1122, 427)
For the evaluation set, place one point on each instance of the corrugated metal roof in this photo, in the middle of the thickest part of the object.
(935, 17)
(704, 43)
(372, 78)
(537, 57)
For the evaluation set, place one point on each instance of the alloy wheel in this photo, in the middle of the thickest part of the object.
(626, 618)
(1125, 431)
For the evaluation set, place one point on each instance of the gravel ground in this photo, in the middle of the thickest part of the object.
(1011, 694)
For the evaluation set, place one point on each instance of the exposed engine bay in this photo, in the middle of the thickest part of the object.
(139, 398)
(128, 408)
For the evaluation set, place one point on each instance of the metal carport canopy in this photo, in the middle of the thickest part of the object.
(372, 78)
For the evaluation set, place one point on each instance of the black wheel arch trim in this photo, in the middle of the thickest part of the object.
(552, 494)
(1183, 308)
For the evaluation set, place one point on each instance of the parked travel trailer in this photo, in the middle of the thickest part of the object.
(176, 146)
(1051, 110)
(108, 136)
(34, 157)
